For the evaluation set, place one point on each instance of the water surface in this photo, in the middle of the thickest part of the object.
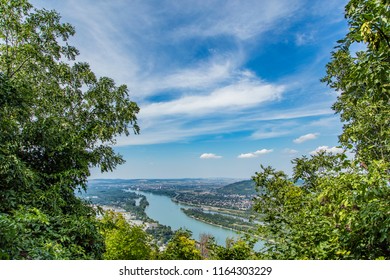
(166, 212)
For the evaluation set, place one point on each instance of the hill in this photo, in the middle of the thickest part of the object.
(246, 187)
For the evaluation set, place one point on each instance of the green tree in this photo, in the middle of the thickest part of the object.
(57, 120)
(181, 247)
(342, 215)
(240, 249)
(341, 211)
(363, 80)
(123, 241)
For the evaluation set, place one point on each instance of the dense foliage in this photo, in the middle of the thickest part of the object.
(234, 249)
(181, 247)
(363, 80)
(57, 120)
(123, 241)
(342, 210)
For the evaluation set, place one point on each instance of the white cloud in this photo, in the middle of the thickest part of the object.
(255, 154)
(244, 94)
(209, 156)
(263, 152)
(306, 137)
(331, 150)
(204, 76)
(248, 155)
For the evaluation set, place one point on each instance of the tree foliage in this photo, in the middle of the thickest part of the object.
(363, 80)
(181, 247)
(57, 120)
(342, 215)
(342, 210)
(123, 241)
(240, 249)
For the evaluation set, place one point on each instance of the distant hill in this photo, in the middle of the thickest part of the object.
(246, 187)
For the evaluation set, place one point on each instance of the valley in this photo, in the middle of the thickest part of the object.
(220, 207)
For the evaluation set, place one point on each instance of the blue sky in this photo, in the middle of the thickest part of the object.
(223, 86)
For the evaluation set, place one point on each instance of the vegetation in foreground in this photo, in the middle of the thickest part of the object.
(342, 210)
(57, 120)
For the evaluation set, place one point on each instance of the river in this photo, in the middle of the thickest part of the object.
(162, 209)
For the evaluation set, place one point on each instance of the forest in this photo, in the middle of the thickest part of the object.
(58, 120)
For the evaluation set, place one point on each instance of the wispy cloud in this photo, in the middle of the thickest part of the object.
(172, 127)
(256, 154)
(127, 41)
(206, 75)
(310, 110)
(274, 128)
(210, 156)
(306, 137)
(237, 96)
(194, 56)
(304, 38)
(290, 151)
(229, 72)
(329, 122)
(243, 19)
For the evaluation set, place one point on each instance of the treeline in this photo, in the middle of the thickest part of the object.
(230, 222)
(111, 195)
(138, 209)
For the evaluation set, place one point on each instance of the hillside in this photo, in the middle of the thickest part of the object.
(246, 187)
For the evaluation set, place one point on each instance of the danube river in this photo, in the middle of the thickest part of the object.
(166, 212)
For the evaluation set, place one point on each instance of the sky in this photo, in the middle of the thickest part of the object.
(223, 86)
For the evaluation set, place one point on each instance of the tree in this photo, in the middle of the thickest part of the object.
(240, 249)
(363, 80)
(123, 241)
(57, 120)
(341, 211)
(181, 247)
(340, 215)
